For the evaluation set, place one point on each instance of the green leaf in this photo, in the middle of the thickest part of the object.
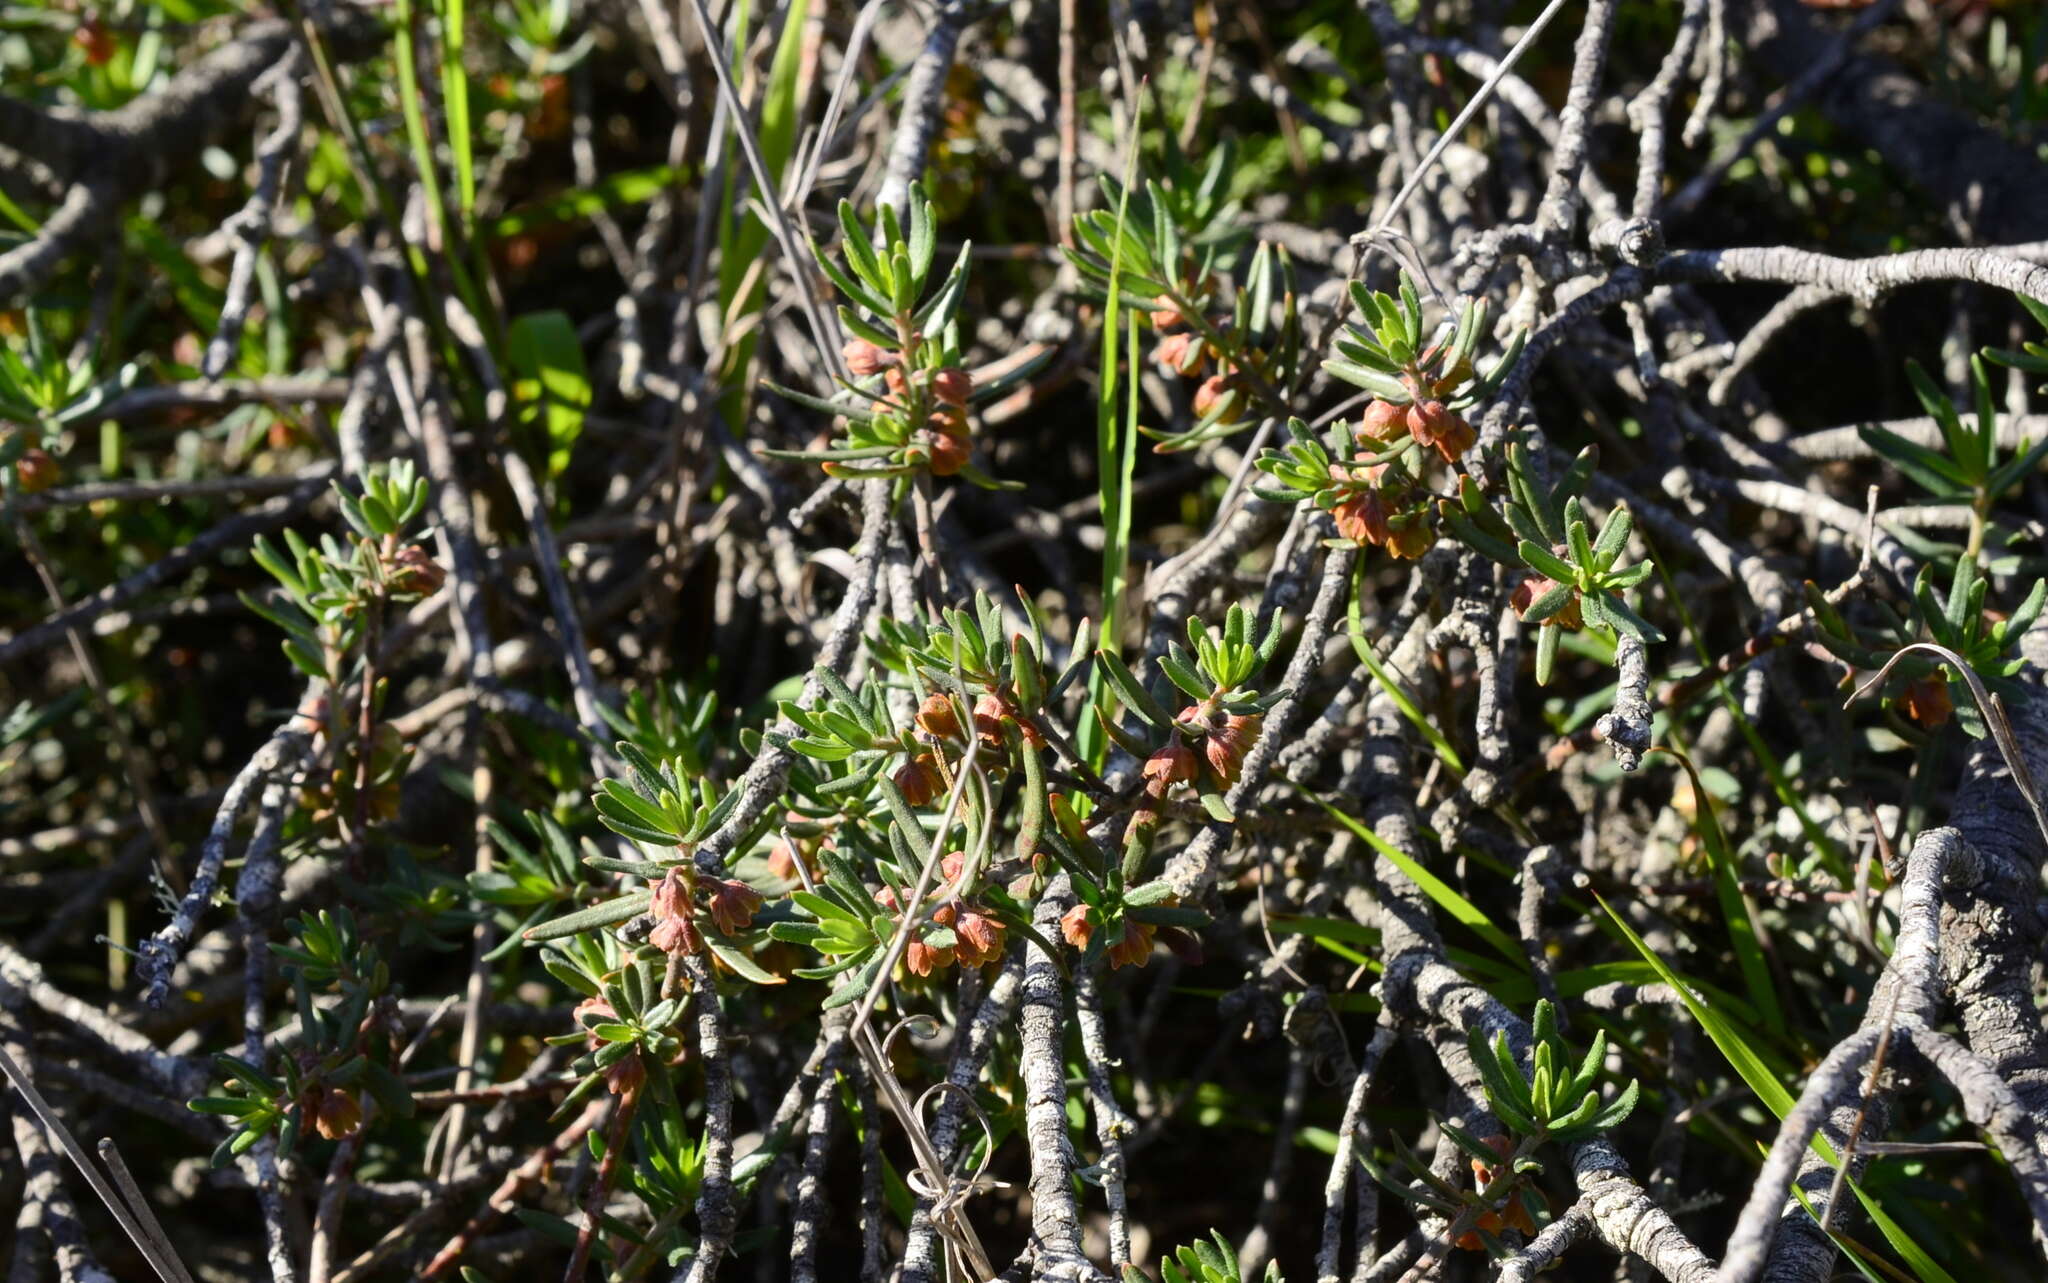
(1744, 1059)
(1927, 469)
(550, 381)
(1546, 562)
(740, 962)
(1961, 444)
(1445, 896)
(597, 915)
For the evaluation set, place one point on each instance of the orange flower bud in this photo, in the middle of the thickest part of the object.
(936, 718)
(594, 1011)
(1174, 764)
(1077, 925)
(990, 712)
(979, 937)
(1384, 421)
(1211, 395)
(1226, 746)
(782, 862)
(411, 570)
(1181, 353)
(625, 1076)
(35, 470)
(1433, 425)
(1362, 518)
(1411, 536)
(919, 780)
(674, 931)
(732, 906)
(337, 1114)
(952, 386)
(1532, 589)
(949, 445)
(1135, 949)
(1165, 315)
(923, 959)
(864, 358)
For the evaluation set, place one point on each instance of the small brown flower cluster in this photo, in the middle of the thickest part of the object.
(1132, 946)
(1187, 353)
(730, 905)
(1225, 738)
(35, 471)
(976, 934)
(1132, 949)
(942, 443)
(1515, 1216)
(1384, 510)
(409, 571)
(1425, 419)
(938, 722)
(627, 1074)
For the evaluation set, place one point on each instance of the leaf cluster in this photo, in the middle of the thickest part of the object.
(1553, 1101)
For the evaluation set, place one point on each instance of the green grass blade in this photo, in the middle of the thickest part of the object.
(1750, 1067)
(1442, 893)
(455, 97)
(1746, 1061)
(1395, 691)
(1742, 933)
(1116, 456)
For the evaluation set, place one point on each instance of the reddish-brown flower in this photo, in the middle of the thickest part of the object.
(626, 1076)
(337, 1113)
(864, 358)
(923, 959)
(1226, 746)
(1532, 590)
(1514, 1216)
(1209, 399)
(919, 780)
(411, 570)
(990, 712)
(674, 931)
(952, 386)
(949, 454)
(782, 861)
(1410, 536)
(1135, 949)
(1181, 353)
(1384, 421)
(593, 1011)
(936, 718)
(1077, 925)
(1165, 313)
(1362, 518)
(1174, 764)
(733, 905)
(1433, 425)
(35, 470)
(979, 938)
